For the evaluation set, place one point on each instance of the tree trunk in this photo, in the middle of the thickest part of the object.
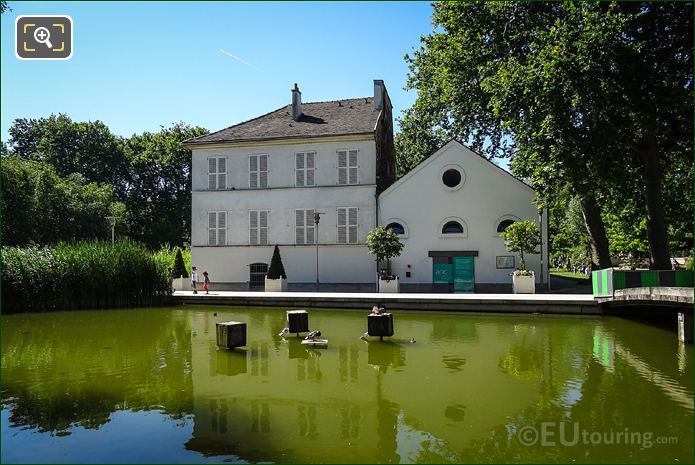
(656, 226)
(600, 255)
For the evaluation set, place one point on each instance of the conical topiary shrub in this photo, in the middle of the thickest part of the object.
(179, 269)
(276, 270)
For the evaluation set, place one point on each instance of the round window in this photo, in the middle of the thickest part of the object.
(451, 178)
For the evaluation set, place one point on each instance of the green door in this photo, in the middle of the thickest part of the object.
(464, 274)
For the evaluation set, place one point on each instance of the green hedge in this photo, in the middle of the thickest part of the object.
(84, 275)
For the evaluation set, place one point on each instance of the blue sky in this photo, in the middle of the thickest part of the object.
(137, 66)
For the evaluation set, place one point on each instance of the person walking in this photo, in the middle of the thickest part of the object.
(194, 279)
(206, 283)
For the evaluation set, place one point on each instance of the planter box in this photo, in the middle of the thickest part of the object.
(524, 284)
(275, 285)
(181, 284)
(392, 285)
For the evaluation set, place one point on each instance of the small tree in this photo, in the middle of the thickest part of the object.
(276, 270)
(384, 244)
(179, 269)
(522, 237)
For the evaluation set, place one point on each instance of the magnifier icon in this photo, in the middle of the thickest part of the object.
(42, 35)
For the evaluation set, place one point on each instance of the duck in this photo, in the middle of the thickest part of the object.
(412, 340)
(364, 336)
(284, 331)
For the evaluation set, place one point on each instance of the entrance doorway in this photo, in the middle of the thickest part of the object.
(257, 272)
(453, 273)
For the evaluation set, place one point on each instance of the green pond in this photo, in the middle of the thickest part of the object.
(150, 385)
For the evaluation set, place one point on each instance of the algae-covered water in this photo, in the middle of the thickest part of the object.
(151, 386)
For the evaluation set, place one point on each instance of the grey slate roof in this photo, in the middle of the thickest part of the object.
(334, 118)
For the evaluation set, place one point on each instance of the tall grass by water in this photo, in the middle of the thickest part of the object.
(84, 275)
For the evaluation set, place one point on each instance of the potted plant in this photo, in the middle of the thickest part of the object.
(522, 237)
(385, 245)
(179, 273)
(276, 279)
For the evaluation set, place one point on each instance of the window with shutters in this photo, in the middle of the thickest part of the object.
(258, 227)
(217, 173)
(304, 227)
(258, 171)
(347, 225)
(347, 167)
(304, 169)
(217, 228)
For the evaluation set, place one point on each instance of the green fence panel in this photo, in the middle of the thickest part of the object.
(684, 279)
(650, 279)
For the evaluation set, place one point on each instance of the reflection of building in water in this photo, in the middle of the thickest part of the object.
(357, 401)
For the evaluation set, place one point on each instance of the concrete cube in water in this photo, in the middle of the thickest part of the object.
(298, 321)
(380, 325)
(231, 334)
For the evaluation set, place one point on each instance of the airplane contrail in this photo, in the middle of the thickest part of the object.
(239, 59)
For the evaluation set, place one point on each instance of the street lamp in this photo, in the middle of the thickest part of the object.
(317, 219)
(112, 220)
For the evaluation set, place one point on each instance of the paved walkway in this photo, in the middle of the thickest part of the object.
(500, 303)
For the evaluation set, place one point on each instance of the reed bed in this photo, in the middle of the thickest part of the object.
(86, 275)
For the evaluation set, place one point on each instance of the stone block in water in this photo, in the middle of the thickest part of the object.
(380, 325)
(298, 321)
(231, 334)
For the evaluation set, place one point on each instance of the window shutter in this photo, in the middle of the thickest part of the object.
(299, 226)
(342, 167)
(263, 225)
(299, 169)
(263, 171)
(342, 226)
(352, 179)
(299, 178)
(221, 228)
(352, 225)
(253, 171)
(253, 227)
(299, 161)
(212, 225)
(212, 170)
(222, 173)
(310, 168)
(310, 226)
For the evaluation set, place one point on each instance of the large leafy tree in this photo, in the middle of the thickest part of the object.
(40, 207)
(159, 195)
(551, 85)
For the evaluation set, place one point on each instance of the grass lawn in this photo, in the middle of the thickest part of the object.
(578, 277)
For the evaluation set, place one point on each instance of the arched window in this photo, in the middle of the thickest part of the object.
(503, 225)
(397, 228)
(452, 227)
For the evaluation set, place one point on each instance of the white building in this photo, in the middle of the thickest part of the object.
(260, 182)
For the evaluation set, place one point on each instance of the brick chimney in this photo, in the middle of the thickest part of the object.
(296, 103)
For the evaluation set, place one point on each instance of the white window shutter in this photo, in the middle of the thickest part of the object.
(253, 227)
(263, 227)
(299, 226)
(212, 228)
(263, 171)
(212, 176)
(352, 225)
(310, 226)
(299, 178)
(352, 163)
(221, 228)
(310, 168)
(342, 167)
(299, 161)
(342, 226)
(222, 173)
(253, 171)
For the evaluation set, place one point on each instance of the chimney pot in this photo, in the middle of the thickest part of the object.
(379, 91)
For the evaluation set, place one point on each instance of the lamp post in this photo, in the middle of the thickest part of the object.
(112, 220)
(317, 219)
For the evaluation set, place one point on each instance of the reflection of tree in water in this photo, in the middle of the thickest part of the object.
(96, 364)
(524, 357)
